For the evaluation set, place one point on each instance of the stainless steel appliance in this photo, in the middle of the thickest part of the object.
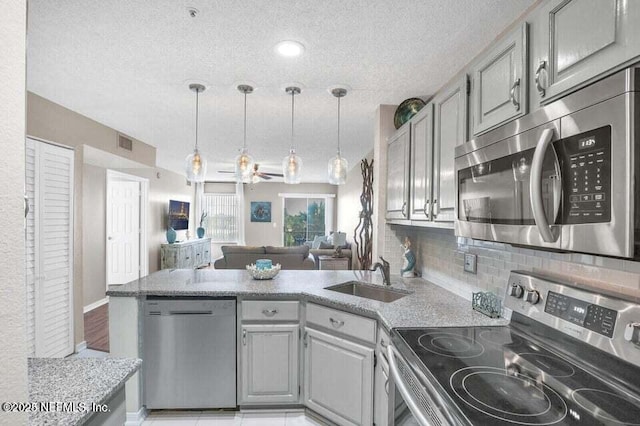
(564, 177)
(189, 353)
(568, 357)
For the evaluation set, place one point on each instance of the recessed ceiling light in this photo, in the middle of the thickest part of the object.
(289, 48)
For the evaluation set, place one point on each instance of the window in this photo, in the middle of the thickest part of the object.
(221, 223)
(305, 218)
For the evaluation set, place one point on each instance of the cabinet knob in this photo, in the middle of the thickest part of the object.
(336, 323)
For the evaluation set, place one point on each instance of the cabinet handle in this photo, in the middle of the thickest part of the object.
(404, 206)
(512, 94)
(304, 339)
(386, 386)
(383, 344)
(336, 323)
(435, 209)
(244, 337)
(26, 205)
(424, 209)
(269, 312)
(542, 66)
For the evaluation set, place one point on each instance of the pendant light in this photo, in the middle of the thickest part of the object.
(195, 163)
(292, 163)
(338, 165)
(244, 161)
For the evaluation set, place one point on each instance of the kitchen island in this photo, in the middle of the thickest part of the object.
(424, 305)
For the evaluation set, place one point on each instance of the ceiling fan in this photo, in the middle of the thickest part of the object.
(257, 175)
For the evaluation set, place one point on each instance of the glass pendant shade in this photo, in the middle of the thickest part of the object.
(196, 167)
(291, 167)
(338, 167)
(244, 167)
(195, 164)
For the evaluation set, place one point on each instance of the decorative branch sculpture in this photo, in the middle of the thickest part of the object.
(363, 233)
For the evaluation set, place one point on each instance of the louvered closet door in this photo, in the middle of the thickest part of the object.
(52, 282)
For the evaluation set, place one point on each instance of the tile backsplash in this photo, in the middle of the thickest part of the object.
(440, 259)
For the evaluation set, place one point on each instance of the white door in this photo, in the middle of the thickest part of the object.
(49, 249)
(338, 379)
(270, 363)
(123, 232)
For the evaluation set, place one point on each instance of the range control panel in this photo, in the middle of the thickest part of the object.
(592, 317)
(586, 176)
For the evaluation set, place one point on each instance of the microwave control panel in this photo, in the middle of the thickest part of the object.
(586, 172)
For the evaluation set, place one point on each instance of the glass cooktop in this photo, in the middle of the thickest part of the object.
(496, 376)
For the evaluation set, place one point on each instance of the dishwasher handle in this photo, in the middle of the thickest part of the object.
(190, 312)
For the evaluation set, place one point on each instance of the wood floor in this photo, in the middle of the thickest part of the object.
(96, 328)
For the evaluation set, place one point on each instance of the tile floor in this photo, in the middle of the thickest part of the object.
(204, 418)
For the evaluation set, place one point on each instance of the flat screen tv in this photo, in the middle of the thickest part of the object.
(178, 214)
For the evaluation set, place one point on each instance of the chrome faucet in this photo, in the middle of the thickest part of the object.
(385, 269)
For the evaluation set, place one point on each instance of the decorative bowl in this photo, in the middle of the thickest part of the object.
(407, 109)
(263, 274)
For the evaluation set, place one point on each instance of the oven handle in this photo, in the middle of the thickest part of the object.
(402, 387)
(535, 187)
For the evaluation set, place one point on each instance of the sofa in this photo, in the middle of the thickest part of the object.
(238, 257)
(324, 246)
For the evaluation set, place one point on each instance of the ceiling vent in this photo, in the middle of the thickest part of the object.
(125, 142)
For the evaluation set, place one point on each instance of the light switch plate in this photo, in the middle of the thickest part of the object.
(471, 263)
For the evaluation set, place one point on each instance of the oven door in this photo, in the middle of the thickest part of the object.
(511, 191)
(413, 401)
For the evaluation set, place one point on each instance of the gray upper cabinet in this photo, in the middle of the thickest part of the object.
(398, 174)
(450, 130)
(421, 163)
(577, 41)
(499, 89)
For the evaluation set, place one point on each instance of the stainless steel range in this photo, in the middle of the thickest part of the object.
(568, 357)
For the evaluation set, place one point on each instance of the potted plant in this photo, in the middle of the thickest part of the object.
(200, 231)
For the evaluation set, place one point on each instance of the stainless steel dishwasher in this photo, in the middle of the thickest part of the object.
(189, 350)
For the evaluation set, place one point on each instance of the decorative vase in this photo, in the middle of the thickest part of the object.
(171, 235)
(200, 232)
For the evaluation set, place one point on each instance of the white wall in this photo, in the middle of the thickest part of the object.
(13, 349)
(94, 208)
(263, 234)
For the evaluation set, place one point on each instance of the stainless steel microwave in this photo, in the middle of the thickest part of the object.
(564, 177)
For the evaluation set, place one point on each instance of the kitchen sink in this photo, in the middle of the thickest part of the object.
(369, 291)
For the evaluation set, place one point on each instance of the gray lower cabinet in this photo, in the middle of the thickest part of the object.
(188, 254)
(269, 359)
(499, 89)
(398, 174)
(421, 164)
(578, 40)
(338, 378)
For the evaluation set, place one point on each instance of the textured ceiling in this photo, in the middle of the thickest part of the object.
(127, 64)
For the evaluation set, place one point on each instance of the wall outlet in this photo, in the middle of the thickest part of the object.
(471, 263)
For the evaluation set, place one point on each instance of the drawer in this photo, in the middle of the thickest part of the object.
(270, 310)
(352, 325)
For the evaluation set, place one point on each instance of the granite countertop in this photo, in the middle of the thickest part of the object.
(75, 380)
(428, 305)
